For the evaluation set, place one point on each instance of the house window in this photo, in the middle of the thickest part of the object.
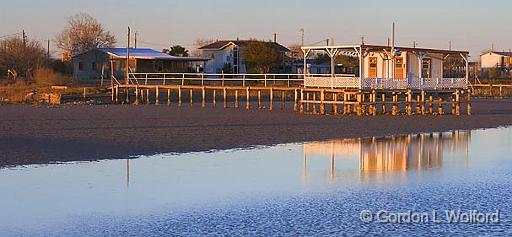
(426, 68)
(80, 66)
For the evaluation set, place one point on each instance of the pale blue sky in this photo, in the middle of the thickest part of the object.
(470, 24)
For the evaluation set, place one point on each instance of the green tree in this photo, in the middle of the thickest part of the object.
(177, 50)
(261, 57)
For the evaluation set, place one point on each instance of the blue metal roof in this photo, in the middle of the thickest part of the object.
(146, 53)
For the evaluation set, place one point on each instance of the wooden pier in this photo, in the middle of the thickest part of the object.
(304, 100)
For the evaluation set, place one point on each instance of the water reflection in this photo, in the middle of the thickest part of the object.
(391, 154)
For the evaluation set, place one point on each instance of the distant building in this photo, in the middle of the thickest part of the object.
(228, 54)
(103, 62)
(493, 59)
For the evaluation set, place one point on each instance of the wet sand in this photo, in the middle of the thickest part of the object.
(39, 135)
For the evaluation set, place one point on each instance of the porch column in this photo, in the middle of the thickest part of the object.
(360, 67)
(304, 70)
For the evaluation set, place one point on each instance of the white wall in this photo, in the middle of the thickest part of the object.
(490, 60)
(411, 65)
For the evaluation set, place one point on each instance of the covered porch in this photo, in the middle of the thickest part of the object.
(387, 67)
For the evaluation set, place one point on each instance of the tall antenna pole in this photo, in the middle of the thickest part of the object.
(393, 39)
(362, 40)
(450, 45)
(135, 41)
(302, 37)
(127, 81)
(24, 38)
(48, 49)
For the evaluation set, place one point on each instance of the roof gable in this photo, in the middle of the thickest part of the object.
(221, 44)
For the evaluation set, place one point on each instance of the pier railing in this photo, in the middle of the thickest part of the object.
(297, 80)
(202, 79)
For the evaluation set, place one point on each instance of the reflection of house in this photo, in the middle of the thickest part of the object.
(495, 59)
(226, 56)
(390, 154)
(102, 62)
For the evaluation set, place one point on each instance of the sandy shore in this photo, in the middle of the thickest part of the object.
(34, 135)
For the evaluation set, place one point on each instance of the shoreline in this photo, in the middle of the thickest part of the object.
(41, 135)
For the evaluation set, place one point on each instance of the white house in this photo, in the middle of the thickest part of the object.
(385, 67)
(493, 59)
(228, 54)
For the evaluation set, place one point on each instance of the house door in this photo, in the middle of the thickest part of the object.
(372, 67)
(426, 68)
(399, 68)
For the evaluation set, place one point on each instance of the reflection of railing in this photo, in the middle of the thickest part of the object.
(218, 79)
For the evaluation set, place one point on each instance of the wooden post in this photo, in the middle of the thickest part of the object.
(136, 95)
(295, 100)
(423, 102)
(179, 96)
(248, 99)
(147, 96)
(225, 98)
(259, 99)
(113, 94)
(430, 104)
(127, 95)
(191, 97)
(157, 95)
(214, 98)
(453, 103)
(418, 104)
(314, 102)
(409, 100)
(362, 107)
(457, 102)
(346, 107)
(394, 110)
(440, 106)
(203, 97)
(271, 106)
(308, 107)
(335, 105)
(301, 106)
(168, 97)
(383, 100)
(236, 99)
(357, 107)
(374, 103)
(322, 100)
(283, 100)
(469, 103)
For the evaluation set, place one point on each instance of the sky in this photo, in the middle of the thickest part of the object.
(472, 25)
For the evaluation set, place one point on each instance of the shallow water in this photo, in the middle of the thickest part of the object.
(316, 188)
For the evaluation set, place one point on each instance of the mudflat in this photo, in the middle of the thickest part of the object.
(40, 134)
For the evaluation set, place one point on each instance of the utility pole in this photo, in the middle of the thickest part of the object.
(450, 45)
(48, 49)
(136, 34)
(24, 38)
(362, 40)
(302, 37)
(127, 81)
(414, 44)
(327, 40)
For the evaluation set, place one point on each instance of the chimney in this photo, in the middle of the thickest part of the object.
(275, 37)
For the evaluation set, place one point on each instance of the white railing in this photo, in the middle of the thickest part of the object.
(218, 79)
(294, 80)
(385, 83)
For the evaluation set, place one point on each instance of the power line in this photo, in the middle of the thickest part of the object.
(10, 35)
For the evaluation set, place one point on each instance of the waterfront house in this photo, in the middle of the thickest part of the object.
(226, 56)
(386, 67)
(496, 60)
(103, 62)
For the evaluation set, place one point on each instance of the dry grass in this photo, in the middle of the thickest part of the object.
(48, 77)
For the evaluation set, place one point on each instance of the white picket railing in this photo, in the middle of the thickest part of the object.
(310, 80)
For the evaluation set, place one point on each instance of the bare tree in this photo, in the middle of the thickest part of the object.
(20, 57)
(84, 33)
